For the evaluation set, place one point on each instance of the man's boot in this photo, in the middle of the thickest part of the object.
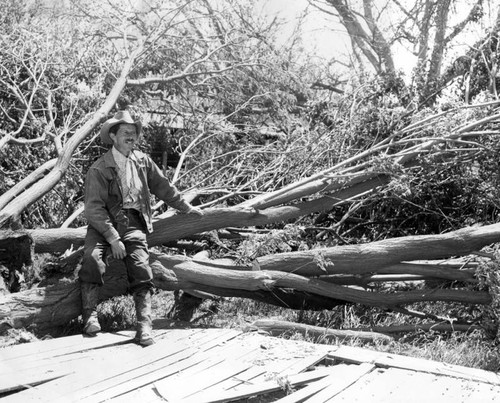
(144, 335)
(90, 299)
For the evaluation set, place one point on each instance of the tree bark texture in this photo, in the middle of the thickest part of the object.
(57, 304)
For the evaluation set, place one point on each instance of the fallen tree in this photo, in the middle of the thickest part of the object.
(295, 280)
(314, 279)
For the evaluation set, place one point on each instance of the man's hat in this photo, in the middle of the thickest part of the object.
(120, 117)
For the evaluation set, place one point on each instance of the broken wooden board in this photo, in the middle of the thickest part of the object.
(395, 385)
(124, 367)
(340, 377)
(220, 365)
(387, 360)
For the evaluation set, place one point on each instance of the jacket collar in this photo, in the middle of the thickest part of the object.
(109, 161)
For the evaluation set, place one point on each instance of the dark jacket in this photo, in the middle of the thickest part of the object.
(103, 193)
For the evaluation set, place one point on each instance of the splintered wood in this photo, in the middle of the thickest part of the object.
(222, 365)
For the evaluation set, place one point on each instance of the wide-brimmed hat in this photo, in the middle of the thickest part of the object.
(120, 117)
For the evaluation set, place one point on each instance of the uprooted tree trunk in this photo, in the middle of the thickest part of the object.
(294, 279)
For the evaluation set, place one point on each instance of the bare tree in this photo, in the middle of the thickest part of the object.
(376, 27)
(158, 56)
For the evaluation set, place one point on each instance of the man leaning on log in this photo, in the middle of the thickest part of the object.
(118, 191)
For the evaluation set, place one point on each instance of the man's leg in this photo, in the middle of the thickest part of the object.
(144, 334)
(140, 277)
(90, 299)
(91, 278)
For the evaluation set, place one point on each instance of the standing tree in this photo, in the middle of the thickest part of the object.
(381, 29)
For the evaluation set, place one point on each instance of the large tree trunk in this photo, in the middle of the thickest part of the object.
(179, 226)
(282, 279)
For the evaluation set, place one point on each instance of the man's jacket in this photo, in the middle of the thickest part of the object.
(103, 194)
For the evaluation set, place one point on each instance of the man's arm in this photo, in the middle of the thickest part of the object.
(96, 194)
(161, 187)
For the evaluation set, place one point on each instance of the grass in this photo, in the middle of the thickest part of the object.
(473, 349)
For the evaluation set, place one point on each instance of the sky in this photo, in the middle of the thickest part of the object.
(325, 36)
(319, 33)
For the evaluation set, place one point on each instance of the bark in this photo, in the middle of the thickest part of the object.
(379, 43)
(383, 257)
(423, 45)
(436, 60)
(278, 328)
(371, 42)
(375, 256)
(179, 226)
(57, 304)
(33, 177)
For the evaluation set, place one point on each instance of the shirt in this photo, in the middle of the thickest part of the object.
(129, 179)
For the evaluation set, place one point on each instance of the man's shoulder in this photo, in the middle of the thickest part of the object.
(103, 161)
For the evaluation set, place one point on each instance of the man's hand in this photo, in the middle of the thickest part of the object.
(118, 250)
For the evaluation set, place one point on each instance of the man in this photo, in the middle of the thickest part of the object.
(118, 190)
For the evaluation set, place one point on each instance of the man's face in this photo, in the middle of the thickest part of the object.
(125, 138)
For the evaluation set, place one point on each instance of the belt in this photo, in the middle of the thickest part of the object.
(131, 211)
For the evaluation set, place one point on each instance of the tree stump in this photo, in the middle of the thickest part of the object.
(16, 251)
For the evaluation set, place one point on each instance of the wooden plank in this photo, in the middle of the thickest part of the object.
(336, 372)
(214, 375)
(303, 364)
(351, 375)
(237, 347)
(277, 357)
(394, 385)
(145, 394)
(258, 389)
(70, 344)
(108, 369)
(154, 371)
(98, 362)
(205, 358)
(225, 363)
(25, 378)
(256, 360)
(45, 367)
(295, 356)
(387, 360)
(41, 367)
(60, 346)
(253, 375)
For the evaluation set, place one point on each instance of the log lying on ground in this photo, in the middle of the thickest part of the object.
(279, 327)
(57, 304)
(200, 275)
(375, 256)
(280, 278)
(353, 259)
(178, 226)
(438, 327)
